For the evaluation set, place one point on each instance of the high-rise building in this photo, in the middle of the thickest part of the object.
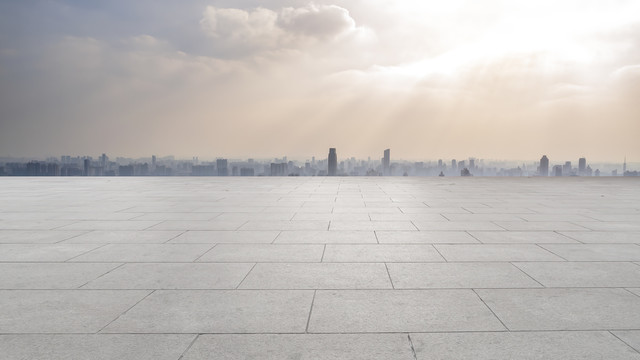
(454, 165)
(557, 170)
(333, 162)
(544, 166)
(221, 165)
(386, 162)
(582, 166)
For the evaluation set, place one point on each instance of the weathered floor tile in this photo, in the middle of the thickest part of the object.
(381, 253)
(303, 347)
(631, 337)
(42, 252)
(231, 237)
(564, 309)
(457, 226)
(539, 225)
(264, 253)
(520, 237)
(184, 225)
(458, 275)
(574, 345)
(95, 346)
(217, 311)
(604, 236)
(490, 252)
(123, 237)
(145, 253)
(110, 225)
(326, 237)
(596, 252)
(425, 237)
(400, 311)
(36, 236)
(318, 276)
(173, 276)
(285, 225)
(50, 275)
(583, 274)
(371, 225)
(62, 311)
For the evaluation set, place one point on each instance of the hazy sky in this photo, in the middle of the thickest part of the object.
(508, 79)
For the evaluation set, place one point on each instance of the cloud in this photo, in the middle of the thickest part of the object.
(325, 21)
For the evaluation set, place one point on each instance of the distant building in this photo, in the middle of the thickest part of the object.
(332, 168)
(278, 169)
(566, 168)
(87, 164)
(221, 165)
(465, 172)
(454, 165)
(544, 166)
(386, 162)
(557, 170)
(582, 166)
(247, 172)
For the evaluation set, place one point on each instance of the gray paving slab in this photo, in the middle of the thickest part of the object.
(596, 252)
(630, 337)
(458, 275)
(332, 217)
(583, 274)
(326, 237)
(36, 236)
(371, 225)
(574, 345)
(264, 253)
(338, 311)
(184, 225)
(34, 224)
(406, 217)
(635, 291)
(43, 252)
(457, 225)
(381, 253)
(318, 276)
(173, 276)
(231, 237)
(302, 347)
(520, 237)
(110, 225)
(604, 236)
(63, 311)
(285, 225)
(564, 309)
(50, 275)
(217, 311)
(425, 237)
(177, 216)
(123, 237)
(610, 225)
(495, 252)
(145, 253)
(540, 226)
(482, 217)
(95, 347)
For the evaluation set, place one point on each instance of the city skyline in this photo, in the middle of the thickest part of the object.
(239, 78)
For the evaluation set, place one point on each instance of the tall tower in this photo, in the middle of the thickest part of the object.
(333, 162)
(544, 166)
(582, 166)
(624, 165)
(386, 162)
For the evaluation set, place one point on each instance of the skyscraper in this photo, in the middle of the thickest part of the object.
(333, 162)
(386, 162)
(544, 166)
(221, 165)
(582, 166)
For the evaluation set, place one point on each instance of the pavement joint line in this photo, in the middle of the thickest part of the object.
(442, 256)
(551, 252)
(74, 236)
(277, 236)
(631, 292)
(84, 253)
(177, 236)
(204, 253)
(490, 309)
(313, 299)
(626, 343)
(513, 263)
(124, 312)
(568, 237)
(376, 235)
(324, 249)
(115, 268)
(245, 276)
(189, 346)
(470, 234)
(389, 274)
(413, 350)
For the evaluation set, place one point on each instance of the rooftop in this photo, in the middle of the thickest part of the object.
(320, 268)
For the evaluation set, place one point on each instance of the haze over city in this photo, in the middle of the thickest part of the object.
(240, 79)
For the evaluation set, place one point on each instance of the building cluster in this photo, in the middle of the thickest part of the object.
(329, 166)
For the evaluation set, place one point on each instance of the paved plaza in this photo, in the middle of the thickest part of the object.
(319, 268)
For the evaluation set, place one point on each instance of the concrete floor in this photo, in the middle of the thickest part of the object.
(319, 268)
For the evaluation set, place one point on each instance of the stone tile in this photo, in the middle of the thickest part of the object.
(520, 237)
(604, 236)
(434, 210)
(555, 217)
(34, 224)
(303, 346)
(458, 275)
(371, 225)
(217, 311)
(318, 276)
(110, 225)
(482, 217)
(173, 276)
(635, 291)
(425, 237)
(261, 216)
(631, 337)
(184, 225)
(162, 216)
(499, 210)
(36, 236)
(94, 346)
(365, 210)
(574, 345)
(539, 226)
(381, 253)
(457, 225)
(50, 275)
(596, 252)
(610, 225)
(42, 252)
(221, 237)
(400, 311)
(583, 274)
(145, 253)
(98, 216)
(62, 311)
(499, 252)
(332, 217)
(564, 309)
(285, 225)
(124, 237)
(327, 237)
(264, 253)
